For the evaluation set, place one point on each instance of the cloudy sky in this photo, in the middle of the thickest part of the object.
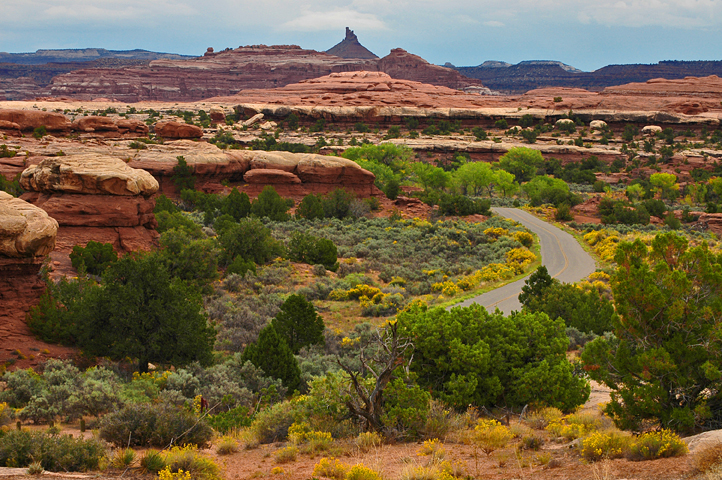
(587, 34)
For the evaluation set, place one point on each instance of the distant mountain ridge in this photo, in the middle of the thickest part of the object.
(532, 74)
(41, 57)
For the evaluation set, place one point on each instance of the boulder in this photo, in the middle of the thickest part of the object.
(651, 130)
(88, 174)
(31, 119)
(323, 169)
(25, 230)
(270, 177)
(129, 125)
(564, 121)
(217, 114)
(254, 119)
(702, 440)
(94, 124)
(172, 129)
(597, 125)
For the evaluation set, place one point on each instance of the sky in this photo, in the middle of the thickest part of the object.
(585, 34)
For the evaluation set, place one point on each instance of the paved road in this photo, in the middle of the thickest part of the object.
(561, 254)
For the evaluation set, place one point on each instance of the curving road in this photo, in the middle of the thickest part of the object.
(561, 254)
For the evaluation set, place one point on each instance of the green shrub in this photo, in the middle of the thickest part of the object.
(56, 453)
(337, 203)
(164, 204)
(272, 424)
(40, 132)
(270, 204)
(501, 124)
(95, 257)
(311, 207)
(154, 425)
(240, 267)
(306, 248)
(250, 240)
(152, 461)
(235, 418)
(188, 459)
(12, 187)
(272, 354)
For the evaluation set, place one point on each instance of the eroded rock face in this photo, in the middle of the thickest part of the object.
(25, 230)
(269, 176)
(88, 174)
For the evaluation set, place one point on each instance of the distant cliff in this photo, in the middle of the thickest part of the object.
(530, 75)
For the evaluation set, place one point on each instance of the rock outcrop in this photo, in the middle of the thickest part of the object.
(88, 174)
(403, 65)
(58, 124)
(27, 236)
(350, 47)
(94, 197)
(294, 174)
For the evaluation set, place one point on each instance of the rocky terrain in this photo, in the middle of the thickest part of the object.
(529, 75)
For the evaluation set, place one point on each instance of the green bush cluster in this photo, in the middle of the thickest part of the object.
(55, 453)
(154, 425)
(94, 258)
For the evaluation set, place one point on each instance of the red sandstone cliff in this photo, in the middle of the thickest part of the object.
(252, 67)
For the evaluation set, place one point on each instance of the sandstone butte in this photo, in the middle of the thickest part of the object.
(229, 71)
(27, 236)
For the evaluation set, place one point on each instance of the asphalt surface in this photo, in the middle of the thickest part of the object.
(561, 254)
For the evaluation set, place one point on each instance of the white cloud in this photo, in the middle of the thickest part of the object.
(494, 23)
(311, 21)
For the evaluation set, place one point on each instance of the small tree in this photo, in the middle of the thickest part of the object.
(366, 401)
(140, 312)
(236, 204)
(299, 324)
(183, 175)
(665, 363)
(250, 240)
(522, 162)
(270, 204)
(311, 207)
(271, 354)
(304, 247)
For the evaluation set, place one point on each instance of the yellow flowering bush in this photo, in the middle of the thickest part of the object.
(361, 472)
(601, 445)
(433, 447)
(491, 435)
(525, 238)
(662, 444)
(330, 468)
(166, 474)
(604, 243)
(496, 232)
(519, 259)
(497, 271)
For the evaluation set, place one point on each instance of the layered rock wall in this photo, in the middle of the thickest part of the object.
(94, 197)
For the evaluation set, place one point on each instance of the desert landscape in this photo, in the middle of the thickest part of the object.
(250, 264)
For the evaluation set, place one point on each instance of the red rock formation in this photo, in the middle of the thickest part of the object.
(177, 130)
(27, 235)
(407, 66)
(360, 89)
(252, 67)
(94, 197)
(350, 47)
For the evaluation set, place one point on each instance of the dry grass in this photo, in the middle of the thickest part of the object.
(708, 457)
